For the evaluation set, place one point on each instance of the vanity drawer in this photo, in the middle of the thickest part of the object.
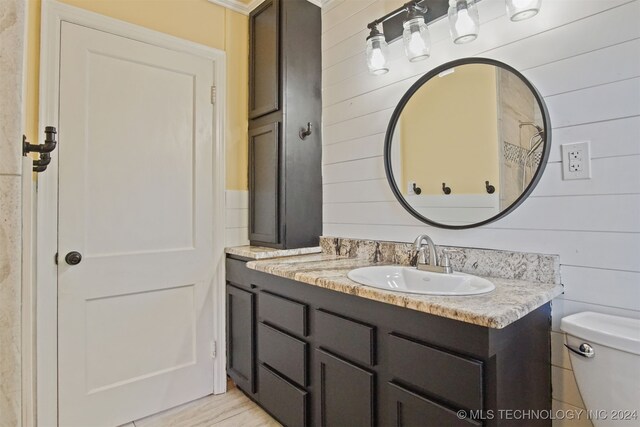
(409, 409)
(282, 352)
(237, 272)
(283, 313)
(345, 337)
(455, 379)
(282, 399)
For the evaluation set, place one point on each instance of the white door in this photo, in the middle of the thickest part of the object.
(135, 200)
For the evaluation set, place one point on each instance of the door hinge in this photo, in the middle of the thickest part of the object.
(214, 349)
(55, 258)
(213, 94)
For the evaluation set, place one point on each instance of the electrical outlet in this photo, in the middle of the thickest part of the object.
(576, 160)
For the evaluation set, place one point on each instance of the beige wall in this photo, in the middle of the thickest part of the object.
(196, 20)
(237, 47)
(449, 132)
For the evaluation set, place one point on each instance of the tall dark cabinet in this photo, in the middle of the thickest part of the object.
(285, 172)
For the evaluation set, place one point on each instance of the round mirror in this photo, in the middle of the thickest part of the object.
(467, 143)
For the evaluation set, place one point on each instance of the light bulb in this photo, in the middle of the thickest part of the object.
(377, 53)
(416, 40)
(415, 43)
(519, 10)
(378, 60)
(464, 23)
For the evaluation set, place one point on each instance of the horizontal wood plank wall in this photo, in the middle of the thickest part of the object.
(585, 60)
(237, 218)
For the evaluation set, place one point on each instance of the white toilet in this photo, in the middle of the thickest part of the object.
(605, 354)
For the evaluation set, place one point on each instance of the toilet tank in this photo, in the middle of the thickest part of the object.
(609, 381)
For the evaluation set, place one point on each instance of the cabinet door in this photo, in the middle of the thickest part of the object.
(408, 409)
(241, 337)
(346, 393)
(264, 169)
(282, 399)
(264, 59)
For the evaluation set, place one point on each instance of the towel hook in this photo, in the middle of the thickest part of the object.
(446, 190)
(304, 133)
(40, 164)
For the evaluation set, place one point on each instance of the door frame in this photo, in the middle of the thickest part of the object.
(53, 14)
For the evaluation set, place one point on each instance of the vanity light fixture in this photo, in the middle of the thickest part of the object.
(519, 10)
(410, 23)
(464, 22)
(377, 52)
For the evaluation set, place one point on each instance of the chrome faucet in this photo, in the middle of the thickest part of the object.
(434, 265)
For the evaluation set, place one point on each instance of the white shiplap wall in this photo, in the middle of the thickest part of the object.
(584, 57)
(237, 218)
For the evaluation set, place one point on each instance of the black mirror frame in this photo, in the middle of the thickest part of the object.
(405, 99)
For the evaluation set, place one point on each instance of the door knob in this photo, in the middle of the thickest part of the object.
(73, 258)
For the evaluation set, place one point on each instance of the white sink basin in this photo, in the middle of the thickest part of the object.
(411, 280)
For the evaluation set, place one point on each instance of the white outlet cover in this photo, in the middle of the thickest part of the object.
(576, 160)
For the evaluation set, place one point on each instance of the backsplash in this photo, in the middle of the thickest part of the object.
(537, 268)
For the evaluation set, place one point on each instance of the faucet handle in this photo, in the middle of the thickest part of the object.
(445, 261)
(422, 256)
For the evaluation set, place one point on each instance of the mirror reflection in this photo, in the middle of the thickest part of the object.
(467, 144)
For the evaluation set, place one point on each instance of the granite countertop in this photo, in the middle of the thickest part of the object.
(511, 300)
(261, 252)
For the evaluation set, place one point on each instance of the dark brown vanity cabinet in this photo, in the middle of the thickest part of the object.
(264, 59)
(345, 394)
(264, 181)
(324, 358)
(240, 337)
(285, 176)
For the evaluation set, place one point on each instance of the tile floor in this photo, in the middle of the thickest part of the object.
(232, 409)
